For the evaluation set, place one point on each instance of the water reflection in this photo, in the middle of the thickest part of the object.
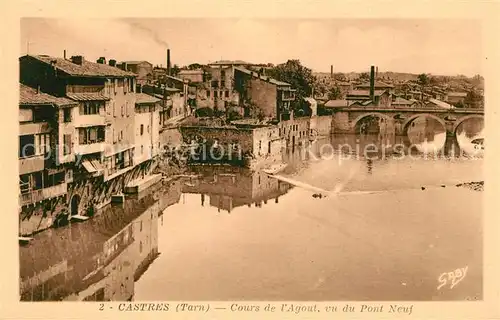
(98, 260)
(264, 240)
(228, 188)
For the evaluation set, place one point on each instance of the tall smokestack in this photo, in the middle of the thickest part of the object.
(372, 83)
(64, 54)
(168, 62)
(331, 71)
(376, 73)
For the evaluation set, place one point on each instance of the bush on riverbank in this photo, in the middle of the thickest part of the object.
(476, 186)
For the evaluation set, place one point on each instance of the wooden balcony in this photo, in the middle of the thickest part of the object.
(43, 194)
(91, 120)
(34, 128)
(31, 164)
(84, 149)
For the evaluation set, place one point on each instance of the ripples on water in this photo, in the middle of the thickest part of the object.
(232, 234)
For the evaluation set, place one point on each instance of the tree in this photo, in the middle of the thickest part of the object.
(364, 76)
(334, 93)
(175, 70)
(339, 76)
(474, 100)
(194, 66)
(300, 77)
(423, 79)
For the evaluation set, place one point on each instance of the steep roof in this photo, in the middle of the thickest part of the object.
(264, 78)
(137, 62)
(441, 104)
(229, 62)
(457, 94)
(29, 96)
(337, 103)
(86, 69)
(402, 101)
(87, 96)
(142, 98)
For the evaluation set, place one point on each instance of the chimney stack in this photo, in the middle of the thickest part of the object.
(168, 62)
(372, 83)
(331, 71)
(101, 60)
(38, 89)
(77, 60)
(64, 55)
(112, 62)
(376, 73)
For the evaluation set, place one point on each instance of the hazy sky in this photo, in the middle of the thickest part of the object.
(434, 46)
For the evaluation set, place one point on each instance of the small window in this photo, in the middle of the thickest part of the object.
(142, 149)
(148, 128)
(67, 114)
(142, 129)
(67, 144)
(227, 94)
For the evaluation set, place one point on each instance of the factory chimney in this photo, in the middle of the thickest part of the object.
(331, 71)
(168, 62)
(372, 83)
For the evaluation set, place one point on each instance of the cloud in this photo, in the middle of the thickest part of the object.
(353, 45)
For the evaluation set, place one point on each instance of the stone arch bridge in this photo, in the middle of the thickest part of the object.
(347, 119)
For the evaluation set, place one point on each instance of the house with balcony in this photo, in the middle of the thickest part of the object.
(103, 123)
(41, 177)
(171, 103)
(272, 97)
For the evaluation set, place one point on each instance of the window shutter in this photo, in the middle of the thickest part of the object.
(81, 135)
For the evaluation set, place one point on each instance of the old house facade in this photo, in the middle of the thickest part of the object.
(43, 184)
(143, 70)
(147, 122)
(272, 97)
(97, 135)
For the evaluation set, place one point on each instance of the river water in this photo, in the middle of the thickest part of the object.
(232, 234)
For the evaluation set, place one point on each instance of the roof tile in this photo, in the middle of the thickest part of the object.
(145, 98)
(87, 69)
(87, 96)
(29, 96)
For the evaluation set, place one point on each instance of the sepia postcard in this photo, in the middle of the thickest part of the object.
(208, 159)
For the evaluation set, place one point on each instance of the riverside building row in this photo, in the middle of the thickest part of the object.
(84, 134)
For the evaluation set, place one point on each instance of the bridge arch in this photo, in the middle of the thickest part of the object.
(461, 120)
(412, 118)
(368, 114)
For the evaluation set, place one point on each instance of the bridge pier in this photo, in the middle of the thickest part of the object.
(451, 147)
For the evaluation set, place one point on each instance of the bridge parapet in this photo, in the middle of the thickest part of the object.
(346, 118)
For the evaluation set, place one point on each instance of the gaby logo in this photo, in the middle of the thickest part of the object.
(453, 278)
